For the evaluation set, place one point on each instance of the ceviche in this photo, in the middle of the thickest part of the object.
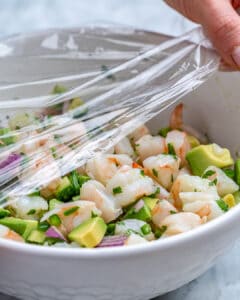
(148, 187)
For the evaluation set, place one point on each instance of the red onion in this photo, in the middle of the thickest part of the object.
(53, 232)
(12, 158)
(139, 205)
(112, 241)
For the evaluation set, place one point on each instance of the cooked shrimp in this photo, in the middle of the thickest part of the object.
(93, 190)
(134, 226)
(9, 234)
(178, 139)
(81, 211)
(187, 183)
(224, 184)
(176, 122)
(201, 203)
(134, 239)
(164, 168)
(149, 145)
(125, 147)
(29, 208)
(138, 133)
(128, 185)
(179, 223)
(103, 166)
(161, 210)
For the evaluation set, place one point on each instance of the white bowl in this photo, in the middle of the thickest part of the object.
(142, 271)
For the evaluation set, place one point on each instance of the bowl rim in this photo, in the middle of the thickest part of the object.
(210, 228)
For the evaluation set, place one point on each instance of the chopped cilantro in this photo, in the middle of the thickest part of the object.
(31, 212)
(43, 226)
(155, 172)
(142, 172)
(160, 231)
(146, 229)
(171, 149)
(54, 220)
(164, 131)
(208, 173)
(71, 211)
(230, 173)
(93, 214)
(117, 190)
(222, 205)
(53, 150)
(111, 229)
(155, 193)
(214, 182)
(172, 212)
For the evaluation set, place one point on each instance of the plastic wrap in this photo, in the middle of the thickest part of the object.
(124, 78)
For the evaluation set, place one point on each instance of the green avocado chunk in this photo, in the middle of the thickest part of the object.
(90, 233)
(31, 225)
(65, 190)
(236, 196)
(150, 202)
(203, 156)
(36, 237)
(237, 171)
(144, 213)
(17, 225)
(4, 213)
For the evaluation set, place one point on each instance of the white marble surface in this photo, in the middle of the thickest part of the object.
(222, 281)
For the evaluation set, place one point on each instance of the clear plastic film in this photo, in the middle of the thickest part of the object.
(69, 94)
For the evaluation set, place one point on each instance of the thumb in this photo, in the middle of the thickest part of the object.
(220, 22)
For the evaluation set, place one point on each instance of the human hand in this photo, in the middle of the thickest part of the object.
(220, 21)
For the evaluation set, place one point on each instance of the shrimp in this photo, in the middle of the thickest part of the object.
(93, 190)
(201, 203)
(125, 147)
(149, 145)
(187, 183)
(176, 122)
(224, 184)
(179, 223)
(178, 139)
(161, 210)
(134, 239)
(134, 226)
(104, 166)
(81, 211)
(9, 234)
(128, 185)
(138, 133)
(164, 168)
(29, 208)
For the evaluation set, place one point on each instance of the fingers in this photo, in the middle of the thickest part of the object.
(219, 20)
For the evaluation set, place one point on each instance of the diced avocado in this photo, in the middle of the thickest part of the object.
(59, 89)
(229, 200)
(53, 203)
(237, 171)
(20, 120)
(164, 131)
(236, 196)
(65, 190)
(17, 225)
(150, 202)
(90, 233)
(4, 213)
(36, 237)
(144, 213)
(204, 156)
(194, 142)
(31, 225)
(75, 103)
(7, 138)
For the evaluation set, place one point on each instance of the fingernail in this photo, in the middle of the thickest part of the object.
(236, 55)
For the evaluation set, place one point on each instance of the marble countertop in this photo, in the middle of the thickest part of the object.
(222, 281)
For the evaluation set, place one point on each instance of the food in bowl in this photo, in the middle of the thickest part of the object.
(148, 187)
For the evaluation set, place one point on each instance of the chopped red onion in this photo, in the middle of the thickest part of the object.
(112, 241)
(53, 232)
(139, 205)
(12, 158)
